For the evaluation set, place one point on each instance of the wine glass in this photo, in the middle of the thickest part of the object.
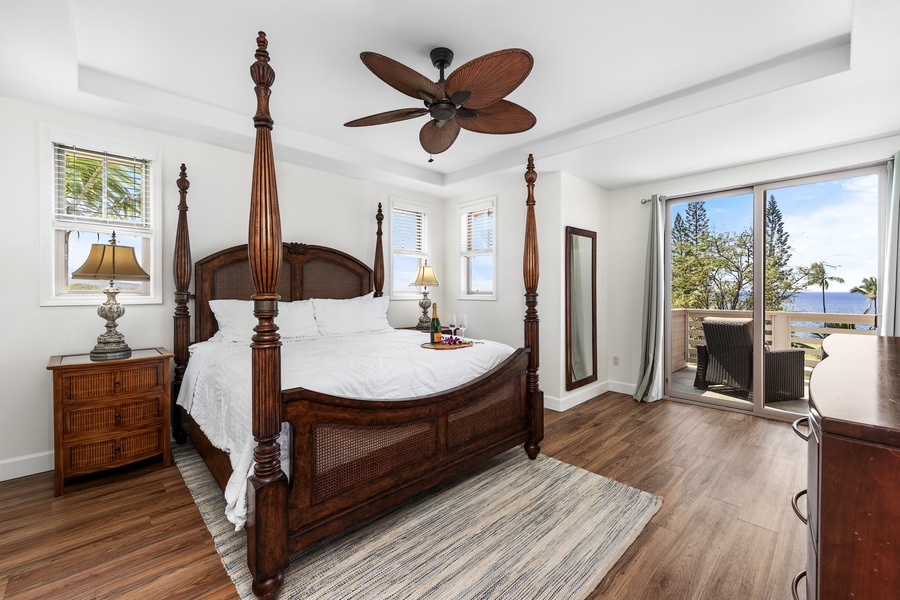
(452, 324)
(461, 325)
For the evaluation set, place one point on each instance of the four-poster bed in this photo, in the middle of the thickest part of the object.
(348, 459)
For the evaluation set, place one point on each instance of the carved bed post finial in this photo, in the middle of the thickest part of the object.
(532, 271)
(267, 548)
(379, 255)
(181, 270)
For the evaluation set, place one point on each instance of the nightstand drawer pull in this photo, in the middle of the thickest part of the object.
(797, 508)
(796, 426)
(794, 594)
(118, 418)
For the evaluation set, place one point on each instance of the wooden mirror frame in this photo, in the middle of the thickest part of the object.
(571, 381)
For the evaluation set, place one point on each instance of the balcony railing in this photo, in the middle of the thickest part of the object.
(783, 330)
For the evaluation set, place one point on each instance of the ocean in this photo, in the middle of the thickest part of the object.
(835, 302)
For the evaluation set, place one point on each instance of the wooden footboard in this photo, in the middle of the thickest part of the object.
(354, 458)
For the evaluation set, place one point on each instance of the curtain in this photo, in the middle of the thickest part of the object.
(889, 284)
(650, 385)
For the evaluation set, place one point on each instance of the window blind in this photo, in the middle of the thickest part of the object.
(99, 189)
(408, 232)
(478, 232)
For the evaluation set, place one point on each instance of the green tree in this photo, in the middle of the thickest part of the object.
(782, 281)
(691, 258)
(732, 271)
(816, 274)
(868, 287)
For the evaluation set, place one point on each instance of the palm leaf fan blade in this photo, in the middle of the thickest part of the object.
(435, 139)
(391, 116)
(399, 76)
(491, 77)
(500, 118)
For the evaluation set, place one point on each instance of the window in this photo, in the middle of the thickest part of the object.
(409, 246)
(477, 244)
(93, 188)
(791, 261)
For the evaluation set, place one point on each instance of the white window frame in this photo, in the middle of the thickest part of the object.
(464, 210)
(53, 292)
(424, 253)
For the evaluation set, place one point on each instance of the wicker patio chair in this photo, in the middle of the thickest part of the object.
(727, 360)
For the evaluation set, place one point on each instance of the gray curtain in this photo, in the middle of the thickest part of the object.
(650, 384)
(889, 283)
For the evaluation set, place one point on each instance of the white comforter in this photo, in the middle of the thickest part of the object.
(385, 365)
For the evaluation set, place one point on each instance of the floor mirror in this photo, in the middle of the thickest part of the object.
(581, 307)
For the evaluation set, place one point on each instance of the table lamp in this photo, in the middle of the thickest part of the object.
(425, 277)
(113, 262)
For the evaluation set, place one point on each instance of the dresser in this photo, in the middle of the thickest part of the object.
(853, 485)
(109, 413)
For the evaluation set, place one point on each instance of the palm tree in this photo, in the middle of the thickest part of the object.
(869, 287)
(817, 274)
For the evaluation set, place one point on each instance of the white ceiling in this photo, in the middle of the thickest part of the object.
(624, 92)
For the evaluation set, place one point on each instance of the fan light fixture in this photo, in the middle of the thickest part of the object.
(470, 98)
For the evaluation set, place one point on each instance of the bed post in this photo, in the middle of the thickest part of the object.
(532, 271)
(182, 266)
(267, 524)
(379, 255)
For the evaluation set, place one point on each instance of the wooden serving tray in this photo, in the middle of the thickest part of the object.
(447, 346)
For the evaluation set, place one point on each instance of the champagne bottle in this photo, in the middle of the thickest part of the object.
(435, 326)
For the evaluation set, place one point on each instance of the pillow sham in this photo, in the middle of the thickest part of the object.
(353, 315)
(296, 319)
(236, 320)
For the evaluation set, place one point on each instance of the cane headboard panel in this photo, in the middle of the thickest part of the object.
(306, 272)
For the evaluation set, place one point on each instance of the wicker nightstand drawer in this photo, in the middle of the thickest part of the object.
(95, 419)
(111, 413)
(107, 382)
(104, 453)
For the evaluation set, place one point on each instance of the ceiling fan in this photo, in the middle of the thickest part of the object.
(470, 98)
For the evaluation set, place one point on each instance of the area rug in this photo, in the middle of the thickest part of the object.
(511, 528)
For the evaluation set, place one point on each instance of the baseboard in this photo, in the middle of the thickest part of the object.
(622, 387)
(22, 466)
(577, 397)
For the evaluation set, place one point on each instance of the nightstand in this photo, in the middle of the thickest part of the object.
(109, 413)
(444, 330)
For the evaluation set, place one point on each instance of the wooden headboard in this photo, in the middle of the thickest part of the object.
(306, 272)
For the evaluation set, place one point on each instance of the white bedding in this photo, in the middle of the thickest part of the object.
(384, 365)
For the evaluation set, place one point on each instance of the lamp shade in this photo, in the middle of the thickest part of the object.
(110, 261)
(425, 277)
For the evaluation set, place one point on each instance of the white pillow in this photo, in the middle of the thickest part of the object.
(353, 315)
(236, 319)
(296, 319)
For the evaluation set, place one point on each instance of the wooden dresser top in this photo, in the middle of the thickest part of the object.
(855, 392)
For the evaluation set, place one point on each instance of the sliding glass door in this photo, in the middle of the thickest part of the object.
(759, 276)
(710, 278)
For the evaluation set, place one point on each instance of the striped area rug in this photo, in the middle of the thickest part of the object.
(512, 528)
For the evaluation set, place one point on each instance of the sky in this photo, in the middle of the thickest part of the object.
(832, 221)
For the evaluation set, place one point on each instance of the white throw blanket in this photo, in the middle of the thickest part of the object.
(384, 365)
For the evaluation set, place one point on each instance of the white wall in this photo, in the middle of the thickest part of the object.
(629, 223)
(586, 206)
(560, 200)
(502, 319)
(316, 208)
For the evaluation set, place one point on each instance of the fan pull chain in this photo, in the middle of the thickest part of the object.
(430, 158)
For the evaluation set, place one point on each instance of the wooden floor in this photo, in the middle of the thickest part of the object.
(725, 529)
